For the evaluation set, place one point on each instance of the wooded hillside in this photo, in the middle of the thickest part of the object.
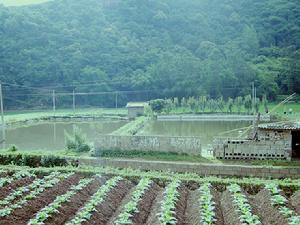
(177, 47)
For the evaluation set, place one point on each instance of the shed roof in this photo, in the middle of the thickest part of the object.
(280, 126)
(136, 104)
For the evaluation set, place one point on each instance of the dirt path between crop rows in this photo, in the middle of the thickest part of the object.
(295, 201)
(23, 215)
(68, 210)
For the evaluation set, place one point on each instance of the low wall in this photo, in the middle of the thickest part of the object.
(203, 169)
(188, 145)
(212, 117)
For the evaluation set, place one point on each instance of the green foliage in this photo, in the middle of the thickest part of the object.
(142, 45)
(248, 103)
(132, 206)
(12, 148)
(33, 160)
(157, 105)
(53, 207)
(85, 213)
(280, 201)
(207, 205)
(168, 203)
(244, 208)
(230, 104)
(77, 141)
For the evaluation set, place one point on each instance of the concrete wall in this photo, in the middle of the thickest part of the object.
(199, 168)
(211, 117)
(270, 145)
(189, 145)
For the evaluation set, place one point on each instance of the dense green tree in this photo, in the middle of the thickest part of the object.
(173, 48)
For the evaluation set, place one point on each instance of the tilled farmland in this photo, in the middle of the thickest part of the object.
(76, 198)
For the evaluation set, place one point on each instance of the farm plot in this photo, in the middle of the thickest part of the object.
(75, 198)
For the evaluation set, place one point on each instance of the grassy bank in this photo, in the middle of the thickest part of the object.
(131, 128)
(155, 156)
(17, 116)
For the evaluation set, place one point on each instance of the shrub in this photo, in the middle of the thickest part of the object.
(77, 141)
(31, 160)
(12, 148)
(157, 105)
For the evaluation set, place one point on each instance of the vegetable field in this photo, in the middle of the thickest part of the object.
(70, 197)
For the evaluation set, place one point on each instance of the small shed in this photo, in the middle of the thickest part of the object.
(288, 133)
(136, 109)
(273, 141)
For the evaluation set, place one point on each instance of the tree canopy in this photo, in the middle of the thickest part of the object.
(178, 47)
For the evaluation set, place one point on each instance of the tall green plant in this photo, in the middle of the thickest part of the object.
(77, 141)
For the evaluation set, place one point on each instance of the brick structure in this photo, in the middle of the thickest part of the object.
(273, 141)
(136, 109)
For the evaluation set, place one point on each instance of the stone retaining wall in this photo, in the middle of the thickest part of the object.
(188, 145)
(201, 169)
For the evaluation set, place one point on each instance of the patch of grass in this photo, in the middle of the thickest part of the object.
(154, 156)
(131, 128)
(21, 2)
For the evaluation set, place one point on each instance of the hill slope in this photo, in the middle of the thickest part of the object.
(179, 47)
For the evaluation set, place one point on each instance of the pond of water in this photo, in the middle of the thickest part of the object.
(207, 130)
(50, 136)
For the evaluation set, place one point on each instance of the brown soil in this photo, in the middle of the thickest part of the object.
(120, 205)
(69, 209)
(145, 204)
(108, 211)
(181, 205)
(24, 214)
(193, 210)
(231, 217)
(263, 208)
(155, 209)
(4, 191)
(295, 201)
(218, 210)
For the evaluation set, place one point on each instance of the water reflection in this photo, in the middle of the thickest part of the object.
(50, 136)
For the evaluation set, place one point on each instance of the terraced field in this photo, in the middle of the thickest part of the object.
(66, 197)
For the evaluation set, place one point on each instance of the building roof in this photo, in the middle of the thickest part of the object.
(136, 104)
(280, 126)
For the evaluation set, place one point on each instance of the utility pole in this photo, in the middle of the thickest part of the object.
(116, 100)
(53, 101)
(253, 96)
(1, 105)
(74, 101)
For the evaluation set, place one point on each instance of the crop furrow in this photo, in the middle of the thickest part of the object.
(243, 207)
(85, 213)
(52, 208)
(281, 202)
(35, 189)
(132, 206)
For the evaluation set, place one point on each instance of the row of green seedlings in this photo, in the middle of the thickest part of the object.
(16, 176)
(85, 213)
(53, 207)
(167, 214)
(280, 201)
(242, 206)
(207, 205)
(125, 217)
(31, 192)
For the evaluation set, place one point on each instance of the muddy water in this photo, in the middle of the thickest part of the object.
(50, 136)
(207, 130)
